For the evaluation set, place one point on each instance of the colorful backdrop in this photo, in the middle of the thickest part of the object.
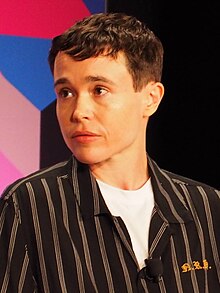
(26, 89)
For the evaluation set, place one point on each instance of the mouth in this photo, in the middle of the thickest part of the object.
(85, 136)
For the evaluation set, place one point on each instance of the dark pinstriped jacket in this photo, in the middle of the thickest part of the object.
(57, 235)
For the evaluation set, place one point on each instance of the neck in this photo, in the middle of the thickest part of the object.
(128, 174)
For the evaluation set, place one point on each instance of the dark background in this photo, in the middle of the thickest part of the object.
(183, 135)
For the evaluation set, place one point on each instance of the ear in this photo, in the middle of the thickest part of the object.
(153, 96)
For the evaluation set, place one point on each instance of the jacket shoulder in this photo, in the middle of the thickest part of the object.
(53, 171)
(182, 180)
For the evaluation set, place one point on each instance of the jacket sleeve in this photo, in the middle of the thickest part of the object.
(15, 271)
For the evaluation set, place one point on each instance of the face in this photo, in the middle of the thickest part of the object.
(100, 115)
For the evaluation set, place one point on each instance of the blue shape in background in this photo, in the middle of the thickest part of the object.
(95, 6)
(23, 61)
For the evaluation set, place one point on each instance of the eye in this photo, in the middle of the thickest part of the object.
(100, 91)
(65, 93)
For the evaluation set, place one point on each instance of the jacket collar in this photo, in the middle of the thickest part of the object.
(169, 201)
(86, 190)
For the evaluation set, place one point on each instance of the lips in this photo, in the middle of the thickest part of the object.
(85, 136)
(83, 133)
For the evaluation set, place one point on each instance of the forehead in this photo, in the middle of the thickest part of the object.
(100, 65)
(62, 59)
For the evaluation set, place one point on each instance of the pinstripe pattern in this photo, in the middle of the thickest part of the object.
(211, 230)
(9, 256)
(105, 260)
(56, 233)
(38, 236)
(175, 267)
(55, 237)
(84, 238)
(79, 271)
(64, 204)
(66, 224)
(124, 267)
(199, 229)
(157, 238)
(23, 273)
(189, 259)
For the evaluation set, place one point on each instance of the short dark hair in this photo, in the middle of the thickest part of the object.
(108, 34)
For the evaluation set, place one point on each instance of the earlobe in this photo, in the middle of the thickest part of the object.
(155, 92)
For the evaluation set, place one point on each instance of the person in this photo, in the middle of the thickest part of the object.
(109, 219)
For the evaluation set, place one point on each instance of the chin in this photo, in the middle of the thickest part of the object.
(88, 158)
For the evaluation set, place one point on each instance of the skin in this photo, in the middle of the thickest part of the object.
(102, 119)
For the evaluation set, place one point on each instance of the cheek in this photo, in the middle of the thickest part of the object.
(63, 114)
(63, 124)
(60, 118)
(117, 125)
(58, 112)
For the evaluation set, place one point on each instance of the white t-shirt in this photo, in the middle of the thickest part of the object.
(135, 208)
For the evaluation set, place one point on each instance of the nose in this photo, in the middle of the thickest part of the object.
(83, 108)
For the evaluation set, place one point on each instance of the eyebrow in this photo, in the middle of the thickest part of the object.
(89, 78)
(92, 78)
(61, 81)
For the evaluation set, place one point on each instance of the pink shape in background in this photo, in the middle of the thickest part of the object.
(42, 19)
(19, 128)
(8, 172)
